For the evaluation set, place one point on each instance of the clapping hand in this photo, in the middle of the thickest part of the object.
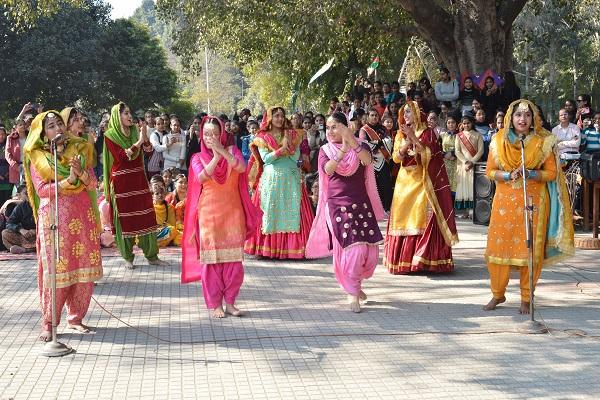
(76, 167)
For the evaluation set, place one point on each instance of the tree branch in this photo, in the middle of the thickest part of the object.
(428, 16)
(508, 12)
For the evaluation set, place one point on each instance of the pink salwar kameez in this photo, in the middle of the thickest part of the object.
(219, 218)
(80, 262)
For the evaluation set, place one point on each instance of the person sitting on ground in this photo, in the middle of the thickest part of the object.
(19, 236)
(167, 176)
(177, 199)
(167, 234)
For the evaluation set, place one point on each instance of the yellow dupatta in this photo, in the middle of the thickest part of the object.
(37, 155)
(505, 149)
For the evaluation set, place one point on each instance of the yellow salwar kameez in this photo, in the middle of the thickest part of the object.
(552, 221)
(167, 233)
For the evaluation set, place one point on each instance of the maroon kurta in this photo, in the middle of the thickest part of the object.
(131, 193)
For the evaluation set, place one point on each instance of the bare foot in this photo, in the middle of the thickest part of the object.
(362, 295)
(45, 336)
(493, 303)
(355, 304)
(218, 312)
(129, 264)
(233, 310)
(160, 263)
(81, 328)
(524, 309)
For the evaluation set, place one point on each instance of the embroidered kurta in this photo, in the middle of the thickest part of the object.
(222, 222)
(80, 260)
(131, 194)
(280, 192)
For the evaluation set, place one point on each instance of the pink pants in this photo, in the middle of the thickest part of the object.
(77, 298)
(221, 281)
(353, 264)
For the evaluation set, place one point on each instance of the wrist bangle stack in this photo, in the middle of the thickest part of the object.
(506, 176)
(336, 158)
(357, 149)
(532, 174)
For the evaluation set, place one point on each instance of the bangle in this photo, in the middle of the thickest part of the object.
(357, 149)
(336, 158)
(532, 174)
(506, 176)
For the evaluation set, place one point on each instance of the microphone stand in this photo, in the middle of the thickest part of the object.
(532, 325)
(54, 348)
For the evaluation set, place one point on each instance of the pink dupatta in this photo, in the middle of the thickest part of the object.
(317, 245)
(190, 245)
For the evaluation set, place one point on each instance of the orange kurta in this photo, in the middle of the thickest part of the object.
(222, 222)
(552, 218)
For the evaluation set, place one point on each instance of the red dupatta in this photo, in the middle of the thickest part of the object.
(190, 245)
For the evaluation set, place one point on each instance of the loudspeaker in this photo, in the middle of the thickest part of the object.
(483, 195)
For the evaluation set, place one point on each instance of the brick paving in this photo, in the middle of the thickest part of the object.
(419, 337)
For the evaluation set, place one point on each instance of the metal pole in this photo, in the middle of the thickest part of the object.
(532, 325)
(54, 348)
(207, 84)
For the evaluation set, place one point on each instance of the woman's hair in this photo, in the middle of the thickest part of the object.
(339, 117)
(157, 179)
(252, 123)
(468, 118)
(213, 121)
(122, 107)
(74, 112)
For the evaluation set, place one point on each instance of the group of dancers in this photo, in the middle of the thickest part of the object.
(263, 209)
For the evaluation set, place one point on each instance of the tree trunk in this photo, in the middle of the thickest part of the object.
(470, 35)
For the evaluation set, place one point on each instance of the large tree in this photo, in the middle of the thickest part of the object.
(79, 55)
(467, 35)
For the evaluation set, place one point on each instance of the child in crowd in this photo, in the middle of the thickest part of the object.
(448, 137)
(252, 127)
(177, 199)
(167, 233)
(167, 176)
(107, 239)
(388, 124)
(484, 129)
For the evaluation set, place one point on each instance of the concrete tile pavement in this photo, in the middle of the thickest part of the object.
(419, 337)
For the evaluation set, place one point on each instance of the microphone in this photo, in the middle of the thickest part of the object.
(58, 138)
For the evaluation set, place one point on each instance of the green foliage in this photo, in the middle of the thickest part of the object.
(24, 14)
(292, 38)
(559, 44)
(79, 55)
(184, 109)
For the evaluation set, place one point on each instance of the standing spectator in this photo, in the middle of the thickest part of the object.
(469, 148)
(99, 143)
(448, 138)
(490, 98)
(591, 136)
(252, 126)
(150, 119)
(484, 130)
(394, 96)
(19, 236)
(156, 162)
(446, 89)
(467, 95)
(429, 101)
(567, 133)
(433, 123)
(14, 153)
(236, 133)
(571, 108)
(174, 155)
(375, 136)
(192, 145)
(5, 185)
(584, 109)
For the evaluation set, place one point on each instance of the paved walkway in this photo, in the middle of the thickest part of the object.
(419, 337)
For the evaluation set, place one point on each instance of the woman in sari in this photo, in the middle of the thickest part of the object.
(80, 262)
(278, 191)
(348, 210)
(219, 218)
(126, 186)
(421, 228)
(552, 219)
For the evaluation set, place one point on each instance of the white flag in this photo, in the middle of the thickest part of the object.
(321, 71)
